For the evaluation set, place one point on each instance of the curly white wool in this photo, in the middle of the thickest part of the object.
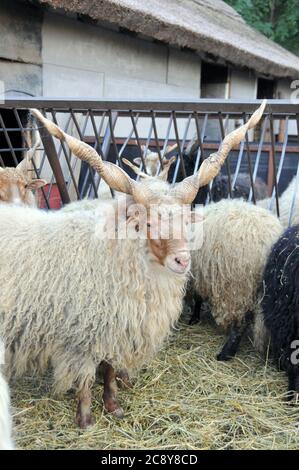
(73, 304)
(237, 238)
(5, 416)
(285, 205)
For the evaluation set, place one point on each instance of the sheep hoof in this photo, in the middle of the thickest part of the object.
(118, 413)
(123, 380)
(291, 398)
(223, 357)
(112, 407)
(84, 421)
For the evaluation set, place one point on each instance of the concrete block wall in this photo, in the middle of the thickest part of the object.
(20, 47)
(80, 60)
(110, 64)
(286, 92)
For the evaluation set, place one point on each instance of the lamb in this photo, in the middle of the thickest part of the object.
(227, 269)
(105, 286)
(5, 416)
(16, 184)
(279, 304)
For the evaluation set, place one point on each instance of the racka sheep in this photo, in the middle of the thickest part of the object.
(5, 417)
(102, 288)
(290, 194)
(17, 184)
(227, 269)
(280, 304)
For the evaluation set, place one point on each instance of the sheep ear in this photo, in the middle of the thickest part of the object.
(36, 184)
(137, 160)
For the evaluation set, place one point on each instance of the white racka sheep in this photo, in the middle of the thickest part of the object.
(228, 268)
(99, 289)
(289, 198)
(5, 416)
(17, 184)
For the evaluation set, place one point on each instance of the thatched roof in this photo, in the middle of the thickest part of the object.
(209, 27)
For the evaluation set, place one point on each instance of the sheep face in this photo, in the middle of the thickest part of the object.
(16, 187)
(166, 229)
(152, 163)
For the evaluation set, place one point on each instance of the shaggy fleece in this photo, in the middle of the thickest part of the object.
(72, 300)
(228, 268)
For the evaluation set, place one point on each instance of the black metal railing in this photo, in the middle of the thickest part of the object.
(119, 129)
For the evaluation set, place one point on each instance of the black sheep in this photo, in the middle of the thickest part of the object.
(220, 186)
(280, 304)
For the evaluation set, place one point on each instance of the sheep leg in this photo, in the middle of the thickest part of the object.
(189, 296)
(110, 391)
(291, 386)
(123, 379)
(296, 396)
(84, 417)
(232, 343)
(196, 311)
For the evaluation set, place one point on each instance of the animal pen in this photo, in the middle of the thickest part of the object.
(185, 399)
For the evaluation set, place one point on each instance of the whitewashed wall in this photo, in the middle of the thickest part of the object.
(284, 91)
(243, 85)
(108, 64)
(20, 48)
(81, 60)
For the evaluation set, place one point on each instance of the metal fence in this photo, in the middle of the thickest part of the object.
(118, 129)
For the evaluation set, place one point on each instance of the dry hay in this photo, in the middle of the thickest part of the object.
(184, 400)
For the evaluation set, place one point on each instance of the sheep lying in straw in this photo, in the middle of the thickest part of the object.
(280, 304)
(101, 289)
(5, 417)
(227, 269)
(17, 184)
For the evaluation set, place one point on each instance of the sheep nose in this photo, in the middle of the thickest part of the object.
(183, 260)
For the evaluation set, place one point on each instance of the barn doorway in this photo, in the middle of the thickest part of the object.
(214, 81)
(265, 88)
(11, 139)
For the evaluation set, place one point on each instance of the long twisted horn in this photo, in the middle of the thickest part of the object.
(210, 167)
(136, 169)
(113, 175)
(24, 164)
(170, 148)
(162, 176)
(192, 146)
(164, 173)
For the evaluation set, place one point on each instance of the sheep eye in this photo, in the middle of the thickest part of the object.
(137, 228)
(148, 225)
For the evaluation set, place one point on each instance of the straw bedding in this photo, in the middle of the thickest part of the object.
(185, 399)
